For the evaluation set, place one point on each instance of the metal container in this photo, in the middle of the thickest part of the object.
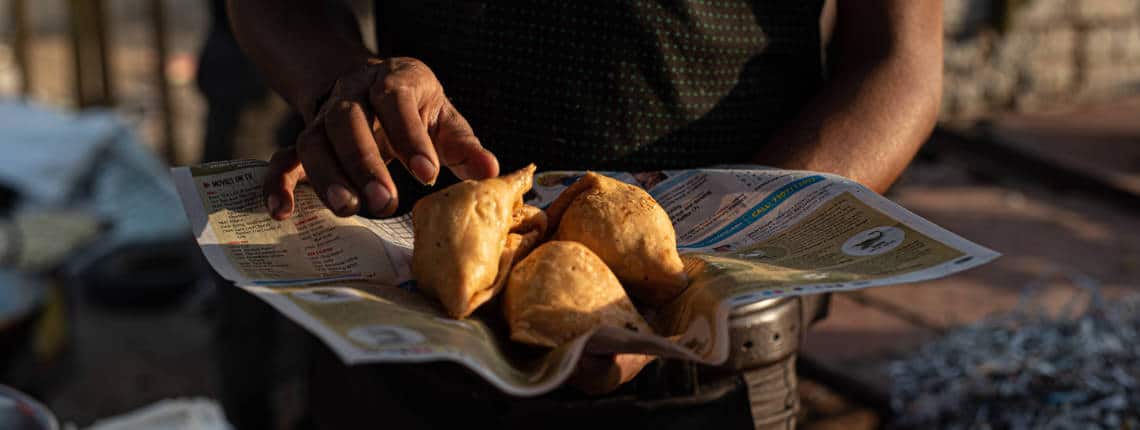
(756, 388)
(18, 411)
(765, 337)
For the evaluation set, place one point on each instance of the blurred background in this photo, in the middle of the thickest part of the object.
(107, 307)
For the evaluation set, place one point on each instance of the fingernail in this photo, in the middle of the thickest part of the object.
(339, 198)
(422, 169)
(273, 204)
(378, 197)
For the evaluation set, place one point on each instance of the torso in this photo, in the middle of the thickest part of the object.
(615, 84)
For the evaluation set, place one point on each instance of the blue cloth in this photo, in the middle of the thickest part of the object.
(89, 161)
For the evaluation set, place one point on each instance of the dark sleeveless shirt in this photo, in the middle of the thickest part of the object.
(615, 84)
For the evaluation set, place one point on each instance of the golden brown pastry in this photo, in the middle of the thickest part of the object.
(464, 244)
(528, 226)
(627, 229)
(529, 223)
(562, 290)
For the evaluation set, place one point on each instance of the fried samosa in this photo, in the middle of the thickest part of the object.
(528, 225)
(468, 235)
(562, 290)
(624, 226)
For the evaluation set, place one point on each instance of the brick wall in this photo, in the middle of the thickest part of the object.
(1047, 53)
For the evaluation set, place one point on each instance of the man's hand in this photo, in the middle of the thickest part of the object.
(392, 108)
(601, 374)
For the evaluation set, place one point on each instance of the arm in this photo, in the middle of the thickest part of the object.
(373, 109)
(297, 46)
(870, 118)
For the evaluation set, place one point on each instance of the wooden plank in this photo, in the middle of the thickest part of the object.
(90, 54)
(99, 21)
(988, 156)
(168, 138)
(18, 15)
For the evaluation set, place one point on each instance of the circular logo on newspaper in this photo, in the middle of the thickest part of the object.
(874, 241)
(380, 335)
(326, 295)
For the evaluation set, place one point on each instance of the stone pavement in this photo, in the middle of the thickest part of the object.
(1047, 238)
(1102, 140)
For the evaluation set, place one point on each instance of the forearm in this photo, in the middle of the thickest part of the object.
(868, 122)
(301, 47)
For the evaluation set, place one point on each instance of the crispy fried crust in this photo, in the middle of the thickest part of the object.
(562, 290)
(463, 238)
(624, 226)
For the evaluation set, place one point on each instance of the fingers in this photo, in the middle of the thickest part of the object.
(349, 129)
(423, 128)
(631, 365)
(397, 101)
(595, 375)
(324, 172)
(396, 110)
(602, 374)
(459, 149)
(284, 172)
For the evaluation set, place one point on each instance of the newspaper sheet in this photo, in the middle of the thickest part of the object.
(746, 234)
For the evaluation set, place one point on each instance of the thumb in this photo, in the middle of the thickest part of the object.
(281, 178)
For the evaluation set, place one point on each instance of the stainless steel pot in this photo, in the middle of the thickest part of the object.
(18, 411)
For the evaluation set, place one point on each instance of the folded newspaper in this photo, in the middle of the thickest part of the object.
(745, 233)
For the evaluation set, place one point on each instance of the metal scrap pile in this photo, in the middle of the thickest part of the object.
(1028, 370)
